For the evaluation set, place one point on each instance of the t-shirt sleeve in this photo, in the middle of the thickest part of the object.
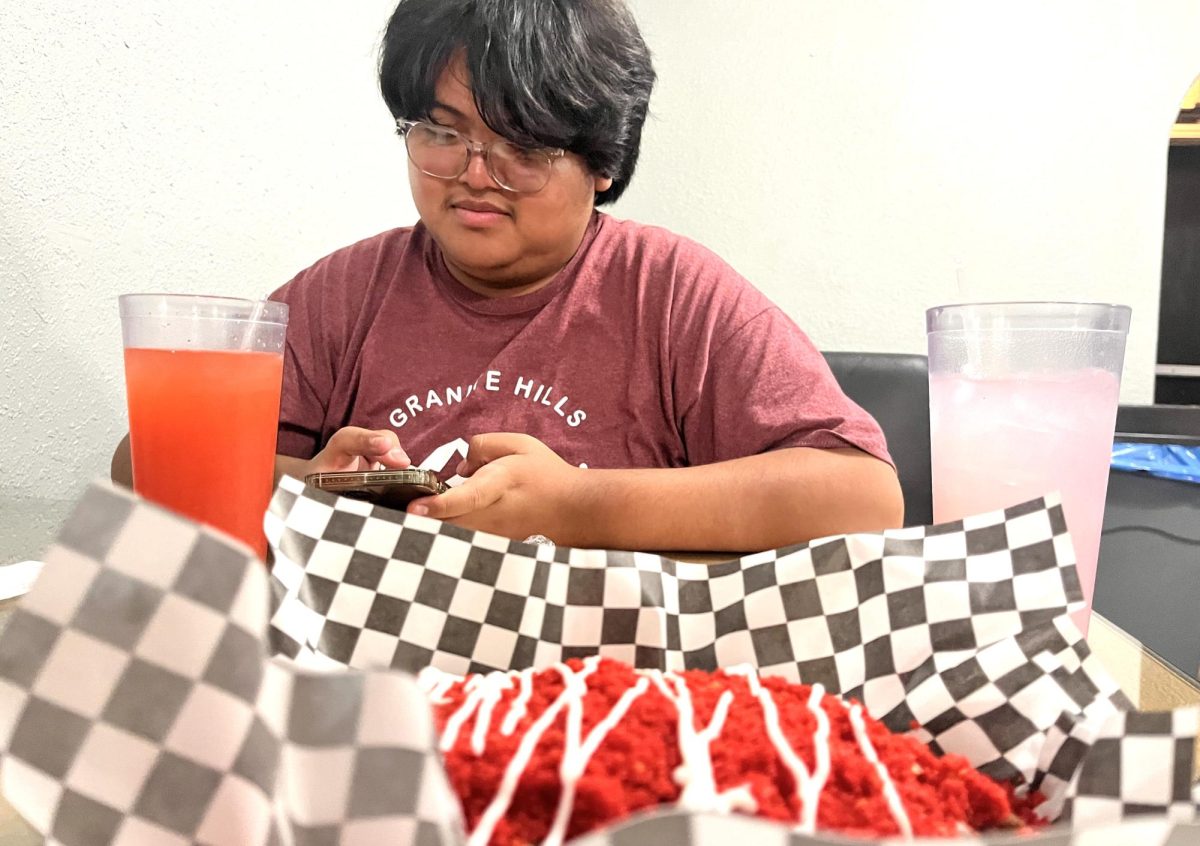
(765, 386)
(308, 373)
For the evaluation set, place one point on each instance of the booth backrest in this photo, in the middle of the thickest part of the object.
(894, 389)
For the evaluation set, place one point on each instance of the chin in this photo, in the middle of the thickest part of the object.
(477, 262)
(490, 269)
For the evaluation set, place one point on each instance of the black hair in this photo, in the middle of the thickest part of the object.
(574, 74)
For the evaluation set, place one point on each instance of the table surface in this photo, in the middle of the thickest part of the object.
(1150, 682)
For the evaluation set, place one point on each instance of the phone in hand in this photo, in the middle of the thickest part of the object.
(389, 488)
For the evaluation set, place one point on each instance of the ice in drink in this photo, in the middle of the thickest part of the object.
(203, 426)
(1000, 441)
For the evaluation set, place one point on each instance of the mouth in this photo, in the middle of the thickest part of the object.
(478, 205)
(478, 214)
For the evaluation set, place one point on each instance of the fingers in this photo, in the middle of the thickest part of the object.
(478, 493)
(484, 449)
(350, 443)
(389, 453)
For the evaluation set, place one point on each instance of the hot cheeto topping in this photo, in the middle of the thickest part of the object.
(544, 756)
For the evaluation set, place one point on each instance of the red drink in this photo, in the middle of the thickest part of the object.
(202, 433)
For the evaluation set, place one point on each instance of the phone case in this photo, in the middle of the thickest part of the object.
(390, 488)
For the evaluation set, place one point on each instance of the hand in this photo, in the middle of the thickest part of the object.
(353, 448)
(515, 486)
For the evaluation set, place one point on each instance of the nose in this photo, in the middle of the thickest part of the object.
(477, 175)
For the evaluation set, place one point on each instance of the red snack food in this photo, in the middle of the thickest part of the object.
(542, 757)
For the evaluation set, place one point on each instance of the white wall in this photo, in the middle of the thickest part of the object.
(906, 154)
(898, 155)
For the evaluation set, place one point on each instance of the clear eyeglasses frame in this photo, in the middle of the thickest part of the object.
(445, 153)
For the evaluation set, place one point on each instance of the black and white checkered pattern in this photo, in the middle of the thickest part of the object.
(140, 701)
(713, 830)
(364, 586)
(1002, 706)
(139, 705)
(1114, 783)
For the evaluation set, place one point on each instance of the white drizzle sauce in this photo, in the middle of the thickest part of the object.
(808, 784)
(694, 775)
(492, 690)
(889, 788)
(473, 689)
(516, 709)
(436, 684)
(576, 754)
(498, 807)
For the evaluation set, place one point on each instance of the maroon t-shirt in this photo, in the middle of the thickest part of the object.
(646, 350)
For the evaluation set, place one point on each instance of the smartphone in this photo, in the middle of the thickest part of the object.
(389, 488)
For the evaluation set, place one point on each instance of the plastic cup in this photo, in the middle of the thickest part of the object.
(1023, 402)
(202, 378)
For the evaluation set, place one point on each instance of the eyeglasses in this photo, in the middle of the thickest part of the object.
(444, 153)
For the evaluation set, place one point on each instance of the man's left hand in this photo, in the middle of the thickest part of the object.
(515, 486)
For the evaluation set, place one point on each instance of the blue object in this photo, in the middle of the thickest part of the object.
(1170, 461)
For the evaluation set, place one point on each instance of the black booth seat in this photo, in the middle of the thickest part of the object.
(894, 389)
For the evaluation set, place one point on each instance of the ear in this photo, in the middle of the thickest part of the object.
(601, 183)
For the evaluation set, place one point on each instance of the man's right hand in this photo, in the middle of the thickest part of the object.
(350, 448)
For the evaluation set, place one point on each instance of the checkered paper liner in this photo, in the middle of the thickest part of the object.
(674, 827)
(141, 702)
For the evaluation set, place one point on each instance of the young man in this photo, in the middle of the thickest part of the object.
(600, 382)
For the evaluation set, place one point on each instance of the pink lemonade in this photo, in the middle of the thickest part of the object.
(997, 442)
